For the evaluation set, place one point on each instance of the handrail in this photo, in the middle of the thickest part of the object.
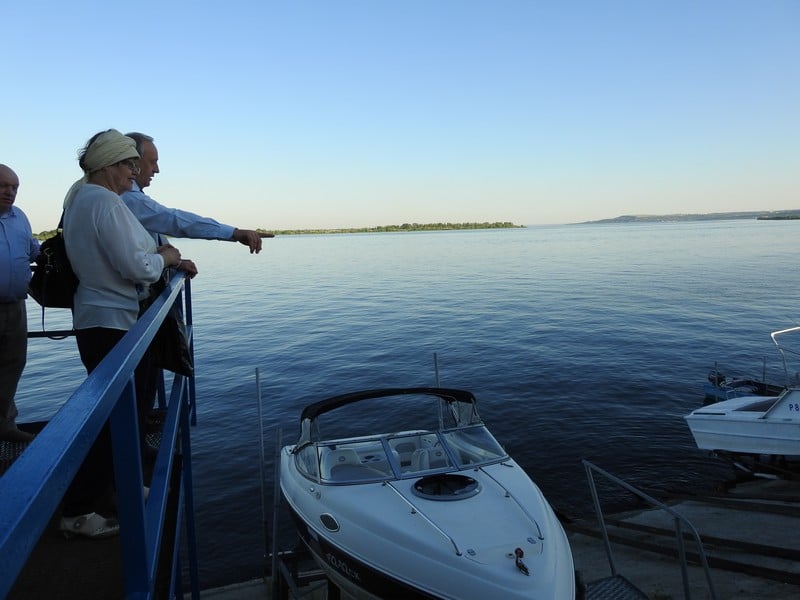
(679, 520)
(783, 351)
(508, 494)
(32, 488)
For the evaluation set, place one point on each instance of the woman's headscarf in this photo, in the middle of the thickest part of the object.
(108, 148)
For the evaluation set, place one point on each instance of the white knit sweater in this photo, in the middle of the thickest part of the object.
(113, 256)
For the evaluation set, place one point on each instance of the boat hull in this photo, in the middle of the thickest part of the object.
(358, 579)
(749, 425)
(746, 438)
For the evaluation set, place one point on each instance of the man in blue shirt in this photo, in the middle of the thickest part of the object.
(159, 219)
(18, 249)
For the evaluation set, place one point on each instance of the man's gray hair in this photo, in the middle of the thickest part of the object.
(139, 138)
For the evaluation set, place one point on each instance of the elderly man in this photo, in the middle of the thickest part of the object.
(158, 219)
(18, 249)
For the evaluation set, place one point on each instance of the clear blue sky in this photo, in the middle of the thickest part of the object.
(344, 113)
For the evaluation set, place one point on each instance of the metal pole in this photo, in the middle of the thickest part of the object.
(438, 400)
(682, 557)
(276, 499)
(600, 519)
(261, 466)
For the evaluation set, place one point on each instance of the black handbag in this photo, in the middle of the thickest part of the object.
(53, 283)
(170, 346)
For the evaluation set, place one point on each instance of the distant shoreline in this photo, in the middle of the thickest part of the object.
(772, 215)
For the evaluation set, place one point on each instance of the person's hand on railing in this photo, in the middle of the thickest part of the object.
(170, 254)
(188, 268)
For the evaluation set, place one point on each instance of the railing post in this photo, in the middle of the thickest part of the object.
(682, 556)
(188, 317)
(600, 519)
(188, 494)
(127, 455)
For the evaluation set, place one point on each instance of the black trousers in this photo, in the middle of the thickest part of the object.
(95, 479)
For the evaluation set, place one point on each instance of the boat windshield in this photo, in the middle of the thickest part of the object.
(399, 456)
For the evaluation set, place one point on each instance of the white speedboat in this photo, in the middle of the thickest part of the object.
(750, 425)
(440, 512)
(754, 423)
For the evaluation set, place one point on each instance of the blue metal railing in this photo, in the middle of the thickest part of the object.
(32, 488)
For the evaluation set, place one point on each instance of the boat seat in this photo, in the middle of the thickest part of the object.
(420, 460)
(336, 459)
(438, 458)
(428, 458)
(404, 450)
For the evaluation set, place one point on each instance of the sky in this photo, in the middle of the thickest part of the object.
(358, 113)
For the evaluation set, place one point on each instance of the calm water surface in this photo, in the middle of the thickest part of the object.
(584, 341)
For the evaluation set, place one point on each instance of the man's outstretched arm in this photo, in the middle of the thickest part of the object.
(251, 238)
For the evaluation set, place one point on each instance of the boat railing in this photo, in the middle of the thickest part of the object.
(680, 523)
(786, 352)
(33, 486)
(519, 504)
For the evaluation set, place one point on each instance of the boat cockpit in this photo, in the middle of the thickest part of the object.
(398, 456)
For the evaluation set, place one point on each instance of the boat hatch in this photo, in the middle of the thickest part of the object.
(446, 486)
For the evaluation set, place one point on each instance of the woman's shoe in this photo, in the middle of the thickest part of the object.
(91, 525)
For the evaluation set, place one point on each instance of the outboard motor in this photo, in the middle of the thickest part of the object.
(716, 377)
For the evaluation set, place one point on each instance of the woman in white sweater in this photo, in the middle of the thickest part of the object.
(115, 260)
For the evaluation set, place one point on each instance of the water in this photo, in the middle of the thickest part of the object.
(579, 342)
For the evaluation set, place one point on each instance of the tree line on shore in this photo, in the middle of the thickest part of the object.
(403, 227)
(43, 235)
